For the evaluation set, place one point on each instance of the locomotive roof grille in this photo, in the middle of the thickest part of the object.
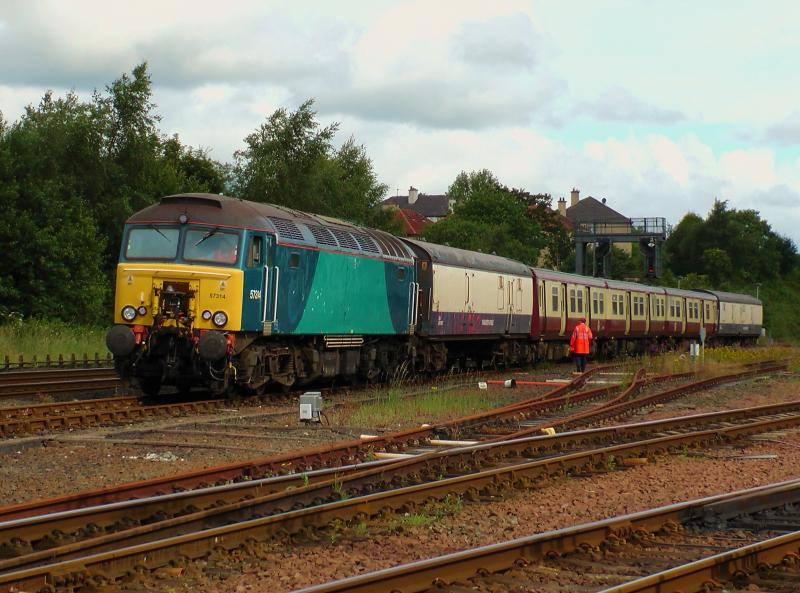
(287, 229)
(345, 239)
(366, 243)
(322, 235)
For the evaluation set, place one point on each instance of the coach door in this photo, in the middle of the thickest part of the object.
(510, 301)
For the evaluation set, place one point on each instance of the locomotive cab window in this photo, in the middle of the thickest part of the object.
(294, 260)
(211, 245)
(401, 274)
(152, 243)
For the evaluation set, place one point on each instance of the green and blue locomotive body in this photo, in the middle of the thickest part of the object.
(277, 296)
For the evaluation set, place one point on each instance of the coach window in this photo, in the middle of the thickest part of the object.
(621, 305)
(613, 304)
(580, 300)
(555, 298)
(595, 306)
(571, 300)
(294, 260)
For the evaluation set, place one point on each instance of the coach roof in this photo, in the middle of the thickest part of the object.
(451, 256)
(730, 297)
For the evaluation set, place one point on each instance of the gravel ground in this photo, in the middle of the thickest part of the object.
(78, 464)
(561, 503)
(94, 458)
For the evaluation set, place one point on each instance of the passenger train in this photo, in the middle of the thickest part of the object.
(220, 292)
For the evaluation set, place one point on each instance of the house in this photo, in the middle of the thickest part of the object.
(434, 207)
(591, 213)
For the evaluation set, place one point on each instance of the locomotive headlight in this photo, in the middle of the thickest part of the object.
(207, 315)
(142, 310)
(128, 313)
(220, 318)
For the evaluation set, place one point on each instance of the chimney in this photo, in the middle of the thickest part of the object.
(562, 207)
(413, 194)
(574, 197)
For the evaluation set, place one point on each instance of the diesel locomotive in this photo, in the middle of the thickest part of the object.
(224, 293)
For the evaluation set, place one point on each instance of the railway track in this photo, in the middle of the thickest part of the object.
(336, 454)
(49, 381)
(193, 534)
(35, 419)
(747, 540)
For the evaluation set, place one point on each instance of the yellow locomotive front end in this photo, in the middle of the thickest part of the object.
(178, 305)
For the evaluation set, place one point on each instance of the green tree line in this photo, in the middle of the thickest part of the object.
(72, 171)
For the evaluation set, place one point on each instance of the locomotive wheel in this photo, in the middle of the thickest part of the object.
(150, 386)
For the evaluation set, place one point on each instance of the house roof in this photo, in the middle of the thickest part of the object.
(591, 210)
(428, 205)
(413, 222)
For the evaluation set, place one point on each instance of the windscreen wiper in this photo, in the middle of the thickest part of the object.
(213, 231)
(158, 230)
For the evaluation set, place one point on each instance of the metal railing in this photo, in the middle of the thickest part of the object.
(656, 227)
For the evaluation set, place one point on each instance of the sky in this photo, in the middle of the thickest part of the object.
(659, 107)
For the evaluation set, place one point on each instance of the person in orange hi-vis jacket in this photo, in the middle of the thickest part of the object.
(579, 344)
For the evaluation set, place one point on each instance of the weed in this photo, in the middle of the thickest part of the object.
(339, 490)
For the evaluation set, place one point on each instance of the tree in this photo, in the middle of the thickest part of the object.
(71, 172)
(291, 160)
(733, 248)
(558, 250)
(488, 217)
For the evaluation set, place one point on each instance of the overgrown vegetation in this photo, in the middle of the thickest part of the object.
(34, 337)
(392, 408)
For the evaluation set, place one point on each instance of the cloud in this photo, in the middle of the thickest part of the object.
(618, 105)
(505, 41)
(787, 132)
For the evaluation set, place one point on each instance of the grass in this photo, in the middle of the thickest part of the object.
(392, 407)
(34, 337)
(430, 513)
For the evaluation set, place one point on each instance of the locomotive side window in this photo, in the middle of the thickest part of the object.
(294, 260)
(254, 253)
(401, 274)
